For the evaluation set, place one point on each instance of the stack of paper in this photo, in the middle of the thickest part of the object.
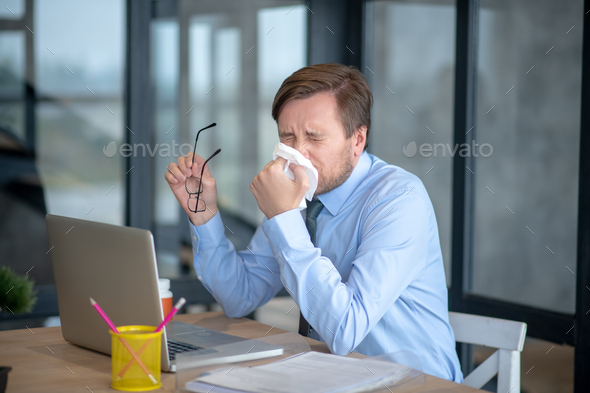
(305, 372)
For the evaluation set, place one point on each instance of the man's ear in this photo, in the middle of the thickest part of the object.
(360, 138)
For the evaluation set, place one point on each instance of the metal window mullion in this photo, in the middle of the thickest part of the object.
(463, 167)
(30, 80)
(184, 92)
(334, 25)
(138, 118)
(582, 321)
(463, 178)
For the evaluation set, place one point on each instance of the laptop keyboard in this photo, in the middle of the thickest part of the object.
(175, 347)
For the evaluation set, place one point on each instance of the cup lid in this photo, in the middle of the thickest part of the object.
(164, 284)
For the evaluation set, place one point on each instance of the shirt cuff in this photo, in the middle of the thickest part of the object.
(212, 230)
(286, 229)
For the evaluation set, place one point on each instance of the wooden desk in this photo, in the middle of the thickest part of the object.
(42, 361)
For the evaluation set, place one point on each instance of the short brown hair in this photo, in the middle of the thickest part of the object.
(346, 83)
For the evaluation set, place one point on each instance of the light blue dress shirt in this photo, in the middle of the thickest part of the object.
(375, 283)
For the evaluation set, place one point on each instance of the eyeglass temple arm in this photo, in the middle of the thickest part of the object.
(197, 138)
(209, 159)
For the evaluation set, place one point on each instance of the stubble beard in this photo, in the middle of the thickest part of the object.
(346, 168)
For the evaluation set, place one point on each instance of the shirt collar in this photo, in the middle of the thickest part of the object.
(334, 199)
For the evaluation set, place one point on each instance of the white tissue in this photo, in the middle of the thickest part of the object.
(293, 156)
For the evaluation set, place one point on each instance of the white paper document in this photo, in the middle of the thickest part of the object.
(305, 372)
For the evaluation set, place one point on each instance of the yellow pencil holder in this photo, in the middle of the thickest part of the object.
(135, 356)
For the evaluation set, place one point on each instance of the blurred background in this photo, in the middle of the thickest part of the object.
(81, 78)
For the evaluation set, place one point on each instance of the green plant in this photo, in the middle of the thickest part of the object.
(16, 292)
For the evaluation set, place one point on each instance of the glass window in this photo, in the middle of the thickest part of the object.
(165, 69)
(165, 61)
(79, 66)
(220, 62)
(12, 75)
(277, 59)
(59, 161)
(412, 79)
(12, 9)
(528, 111)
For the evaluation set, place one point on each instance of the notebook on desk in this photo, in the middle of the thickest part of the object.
(117, 267)
(306, 372)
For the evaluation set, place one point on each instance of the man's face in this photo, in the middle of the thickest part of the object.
(312, 126)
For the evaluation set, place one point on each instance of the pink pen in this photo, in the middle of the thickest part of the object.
(171, 314)
(104, 316)
(168, 318)
(125, 343)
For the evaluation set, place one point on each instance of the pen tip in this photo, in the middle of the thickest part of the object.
(92, 301)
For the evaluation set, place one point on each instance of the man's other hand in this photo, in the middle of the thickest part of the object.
(275, 192)
(176, 175)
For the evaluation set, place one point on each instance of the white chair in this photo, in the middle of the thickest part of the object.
(507, 336)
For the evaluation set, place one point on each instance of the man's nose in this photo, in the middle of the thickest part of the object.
(301, 147)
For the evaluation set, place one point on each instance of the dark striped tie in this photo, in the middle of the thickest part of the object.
(314, 207)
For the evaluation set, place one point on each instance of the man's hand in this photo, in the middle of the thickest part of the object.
(176, 176)
(275, 192)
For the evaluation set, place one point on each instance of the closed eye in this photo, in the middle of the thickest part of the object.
(316, 138)
(314, 135)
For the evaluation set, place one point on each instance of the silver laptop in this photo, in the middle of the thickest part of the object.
(116, 266)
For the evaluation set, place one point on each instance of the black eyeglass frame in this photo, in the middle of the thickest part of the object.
(196, 195)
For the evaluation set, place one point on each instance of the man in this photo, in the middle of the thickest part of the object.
(363, 261)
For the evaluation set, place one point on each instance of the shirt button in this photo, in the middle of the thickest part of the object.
(194, 237)
(199, 277)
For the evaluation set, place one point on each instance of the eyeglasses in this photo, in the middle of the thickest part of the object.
(193, 185)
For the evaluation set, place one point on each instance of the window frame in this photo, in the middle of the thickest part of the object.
(351, 22)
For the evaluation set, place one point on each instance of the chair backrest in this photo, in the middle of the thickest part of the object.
(507, 336)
